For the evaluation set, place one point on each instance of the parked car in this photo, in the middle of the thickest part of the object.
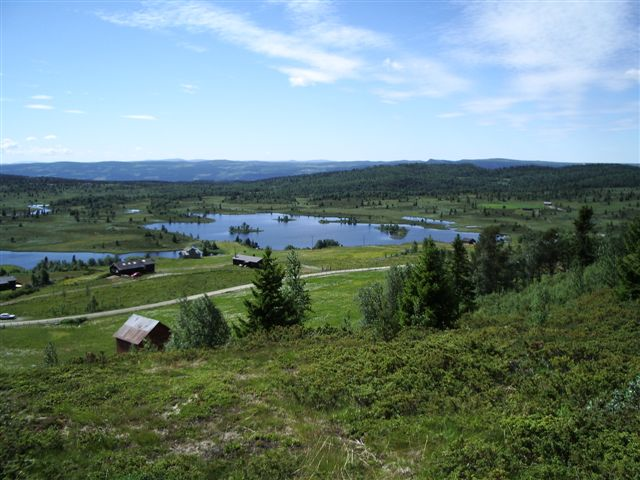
(136, 275)
(7, 316)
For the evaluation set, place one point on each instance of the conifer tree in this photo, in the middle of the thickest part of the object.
(268, 306)
(583, 247)
(427, 298)
(630, 262)
(294, 291)
(460, 272)
(491, 263)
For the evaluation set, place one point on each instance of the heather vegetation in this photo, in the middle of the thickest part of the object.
(516, 357)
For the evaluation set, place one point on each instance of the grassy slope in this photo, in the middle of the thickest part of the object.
(175, 278)
(501, 397)
(332, 297)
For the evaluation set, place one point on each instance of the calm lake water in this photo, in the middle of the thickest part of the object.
(304, 231)
(31, 259)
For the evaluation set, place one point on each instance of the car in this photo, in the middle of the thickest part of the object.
(7, 316)
(136, 275)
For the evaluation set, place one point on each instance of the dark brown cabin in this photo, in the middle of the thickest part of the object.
(8, 283)
(129, 267)
(247, 261)
(137, 329)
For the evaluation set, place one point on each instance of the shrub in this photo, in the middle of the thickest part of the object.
(200, 325)
(50, 355)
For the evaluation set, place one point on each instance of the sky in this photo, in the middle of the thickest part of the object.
(304, 80)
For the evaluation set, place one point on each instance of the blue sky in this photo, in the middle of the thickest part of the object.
(301, 80)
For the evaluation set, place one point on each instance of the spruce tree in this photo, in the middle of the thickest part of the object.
(268, 306)
(427, 299)
(460, 272)
(630, 262)
(583, 246)
(491, 263)
(294, 291)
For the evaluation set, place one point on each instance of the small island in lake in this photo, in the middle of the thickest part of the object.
(394, 230)
(285, 219)
(244, 228)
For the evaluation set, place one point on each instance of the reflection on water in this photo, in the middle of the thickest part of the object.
(304, 231)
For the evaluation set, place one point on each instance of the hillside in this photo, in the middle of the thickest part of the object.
(446, 179)
(178, 170)
(504, 396)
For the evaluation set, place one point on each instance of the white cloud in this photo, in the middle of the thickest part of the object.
(42, 97)
(38, 106)
(550, 47)
(31, 139)
(8, 144)
(51, 136)
(192, 47)
(140, 117)
(75, 112)
(188, 88)
(417, 77)
(490, 105)
(321, 55)
(450, 115)
(633, 74)
(57, 151)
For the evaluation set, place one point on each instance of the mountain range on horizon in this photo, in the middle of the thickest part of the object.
(179, 170)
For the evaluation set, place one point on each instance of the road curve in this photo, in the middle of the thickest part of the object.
(165, 303)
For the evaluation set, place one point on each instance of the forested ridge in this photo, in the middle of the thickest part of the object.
(421, 179)
(385, 180)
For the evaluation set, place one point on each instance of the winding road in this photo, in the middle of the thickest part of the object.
(165, 303)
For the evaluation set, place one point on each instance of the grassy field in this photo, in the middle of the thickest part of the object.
(333, 302)
(72, 293)
(117, 231)
(501, 397)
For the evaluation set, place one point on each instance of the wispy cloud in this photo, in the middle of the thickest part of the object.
(192, 47)
(51, 136)
(8, 144)
(551, 49)
(38, 106)
(42, 97)
(11, 147)
(31, 139)
(450, 115)
(320, 49)
(75, 112)
(139, 117)
(189, 88)
(320, 64)
(417, 77)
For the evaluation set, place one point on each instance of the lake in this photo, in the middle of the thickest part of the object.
(301, 232)
(30, 259)
(304, 231)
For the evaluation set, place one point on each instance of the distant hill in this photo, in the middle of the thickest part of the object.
(424, 178)
(494, 163)
(177, 170)
(180, 170)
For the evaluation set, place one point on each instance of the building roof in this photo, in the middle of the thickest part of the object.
(192, 249)
(132, 264)
(7, 279)
(136, 329)
(247, 258)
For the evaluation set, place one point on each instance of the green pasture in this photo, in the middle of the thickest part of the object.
(500, 397)
(333, 301)
(117, 231)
